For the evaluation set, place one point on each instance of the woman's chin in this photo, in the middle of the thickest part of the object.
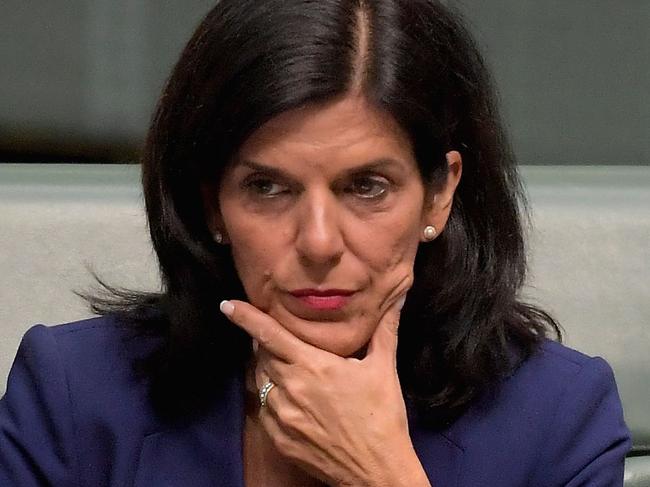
(334, 337)
(346, 336)
(339, 338)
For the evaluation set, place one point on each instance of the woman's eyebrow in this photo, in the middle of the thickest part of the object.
(256, 166)
(374, 165)
(383, 163)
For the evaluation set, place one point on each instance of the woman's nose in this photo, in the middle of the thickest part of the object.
(319, 240)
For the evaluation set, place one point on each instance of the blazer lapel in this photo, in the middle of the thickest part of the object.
(440, 457)
(208, 452)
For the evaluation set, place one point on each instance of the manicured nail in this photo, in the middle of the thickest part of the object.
(227, 307)
(256, 345)
(400, 303)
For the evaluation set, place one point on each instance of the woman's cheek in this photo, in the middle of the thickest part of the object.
(400, 282)
(395, 274)
(256, 278)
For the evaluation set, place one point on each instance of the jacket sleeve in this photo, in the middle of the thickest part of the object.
(589, 435)
(36, 418)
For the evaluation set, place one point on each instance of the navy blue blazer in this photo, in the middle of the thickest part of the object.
(75, 414)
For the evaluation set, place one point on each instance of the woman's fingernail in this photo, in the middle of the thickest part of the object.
(256, 345)
(227, 307)
(400, 303)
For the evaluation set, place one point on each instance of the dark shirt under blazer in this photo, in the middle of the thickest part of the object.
(76, 414)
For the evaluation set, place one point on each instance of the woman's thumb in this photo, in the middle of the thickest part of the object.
(384, 339)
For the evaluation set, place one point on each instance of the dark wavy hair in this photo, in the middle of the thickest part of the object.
(463, 325)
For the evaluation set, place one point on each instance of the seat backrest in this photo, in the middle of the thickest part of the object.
(590, 266)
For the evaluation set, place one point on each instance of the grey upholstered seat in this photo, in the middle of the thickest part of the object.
(590, 260)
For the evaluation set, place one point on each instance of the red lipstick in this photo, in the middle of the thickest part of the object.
(323, 299)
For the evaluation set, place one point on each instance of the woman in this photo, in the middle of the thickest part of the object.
(320, 179)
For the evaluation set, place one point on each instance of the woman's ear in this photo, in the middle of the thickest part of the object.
(439, 206)
(214, 221)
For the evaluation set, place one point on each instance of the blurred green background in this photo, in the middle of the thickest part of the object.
(79, 78)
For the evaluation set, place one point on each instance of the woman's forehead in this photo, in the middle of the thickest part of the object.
(343, 126)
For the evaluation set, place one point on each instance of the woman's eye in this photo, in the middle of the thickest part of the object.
(369, 187)
(266, 188)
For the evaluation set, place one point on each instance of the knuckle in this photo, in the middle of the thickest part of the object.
(298, 394)
(274, 370)
(283, 444)
(267, 335)
(288, 418)
(329, 371)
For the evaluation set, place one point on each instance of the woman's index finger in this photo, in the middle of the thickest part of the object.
(267, 331)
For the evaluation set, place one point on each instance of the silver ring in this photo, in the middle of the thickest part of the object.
(264, 391)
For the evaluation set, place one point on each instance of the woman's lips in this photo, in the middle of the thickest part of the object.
(324, 302)
(329, 299)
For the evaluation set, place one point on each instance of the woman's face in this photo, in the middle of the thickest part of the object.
(324, 209)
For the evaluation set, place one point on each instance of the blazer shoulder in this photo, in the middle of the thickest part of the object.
(72, 386)
(554, 351)
(559, 413)
(586, 428)
(98, 327)
(100, 338)
(554, 367)
(95, 357)
(558, 378)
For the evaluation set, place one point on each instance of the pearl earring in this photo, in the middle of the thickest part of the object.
(430, 233)
(218, 237)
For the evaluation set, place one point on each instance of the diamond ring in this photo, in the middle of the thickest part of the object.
(264, 391)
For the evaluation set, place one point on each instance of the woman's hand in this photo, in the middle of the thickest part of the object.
(343, 420)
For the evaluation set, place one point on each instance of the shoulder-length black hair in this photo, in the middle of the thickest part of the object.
(463, 325)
